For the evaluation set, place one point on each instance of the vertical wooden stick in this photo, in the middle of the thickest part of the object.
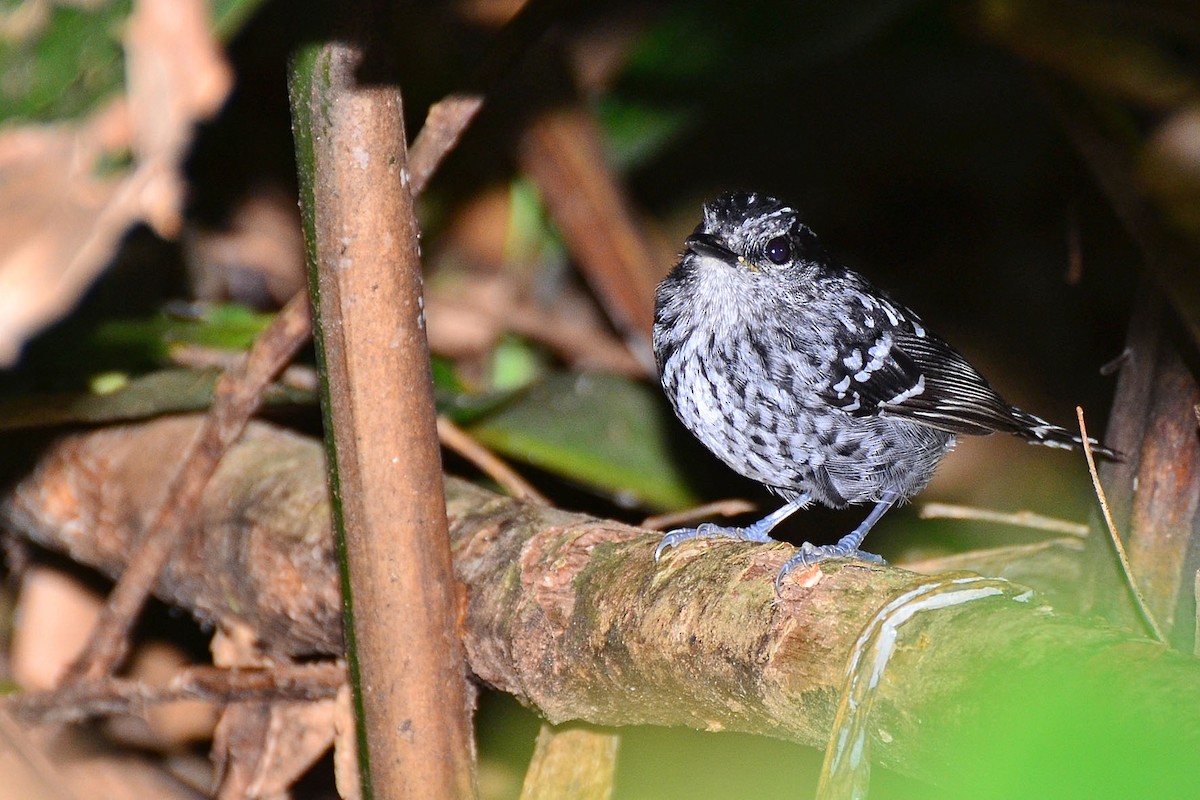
(405, 652)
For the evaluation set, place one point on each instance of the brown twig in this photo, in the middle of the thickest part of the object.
(494, 307)
(445, 124)
(494, 467)
(719, 508)
(1020, 519)
(1118, 546)
(449, 118)
(581, 344)
(294, 376)
(108, 696)
(561, 150)
(237, 396)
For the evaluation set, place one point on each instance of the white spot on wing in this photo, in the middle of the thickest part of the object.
(916, 389)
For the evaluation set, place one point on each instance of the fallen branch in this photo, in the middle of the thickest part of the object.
(570, 613)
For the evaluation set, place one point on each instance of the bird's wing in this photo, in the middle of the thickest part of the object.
(910, 373)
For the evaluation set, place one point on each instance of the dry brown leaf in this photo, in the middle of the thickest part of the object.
(65, 215)
(27, 769)
(261, 749)
(71, 764)
(55, 615)
(175, 75)
(24, 20)
(62, 222)
(345, 747)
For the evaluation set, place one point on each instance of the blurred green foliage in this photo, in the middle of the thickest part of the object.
(68, 67)
(221, 326)
(73, 61)
(69, 355)
(601, 431)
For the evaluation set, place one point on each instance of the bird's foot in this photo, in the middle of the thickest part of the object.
(811, 554)
(709, 530)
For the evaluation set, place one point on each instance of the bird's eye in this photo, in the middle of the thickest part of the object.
(779, 250)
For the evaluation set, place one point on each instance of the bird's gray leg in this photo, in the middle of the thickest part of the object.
(847, 546)
(758, 532)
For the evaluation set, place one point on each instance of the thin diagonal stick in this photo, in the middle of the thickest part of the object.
(111, 696)
(237, 396)
(1020, 519)
(449, 118)
(494, 467)
(1139, 600)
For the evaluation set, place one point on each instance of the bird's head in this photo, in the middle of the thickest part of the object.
(756, 235)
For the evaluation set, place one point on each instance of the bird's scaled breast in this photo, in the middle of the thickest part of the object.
(753, 403)
(747, 410)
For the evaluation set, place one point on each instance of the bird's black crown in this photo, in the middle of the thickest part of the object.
(760, 228)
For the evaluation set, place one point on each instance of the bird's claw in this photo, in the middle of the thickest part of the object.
(811, 555)
(709, 530)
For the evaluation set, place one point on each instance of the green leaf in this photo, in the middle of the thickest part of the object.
(67, 67)
(165, 392)
(75, 60)
(230, 15)
(606, 432)
(636, 132)
(223, 327)
(515, 364)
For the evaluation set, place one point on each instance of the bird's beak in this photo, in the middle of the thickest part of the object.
(705, 244)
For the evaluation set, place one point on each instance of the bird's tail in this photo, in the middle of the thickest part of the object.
(1036, 430)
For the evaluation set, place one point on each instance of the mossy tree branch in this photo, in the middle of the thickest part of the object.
(571, 614)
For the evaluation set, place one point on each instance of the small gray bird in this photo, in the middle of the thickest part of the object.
(800, 374)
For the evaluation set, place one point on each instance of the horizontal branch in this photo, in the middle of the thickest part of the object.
(571, 614)
(106, 696)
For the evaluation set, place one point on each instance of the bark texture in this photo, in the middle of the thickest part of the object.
(404, 648)
(570, 613)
